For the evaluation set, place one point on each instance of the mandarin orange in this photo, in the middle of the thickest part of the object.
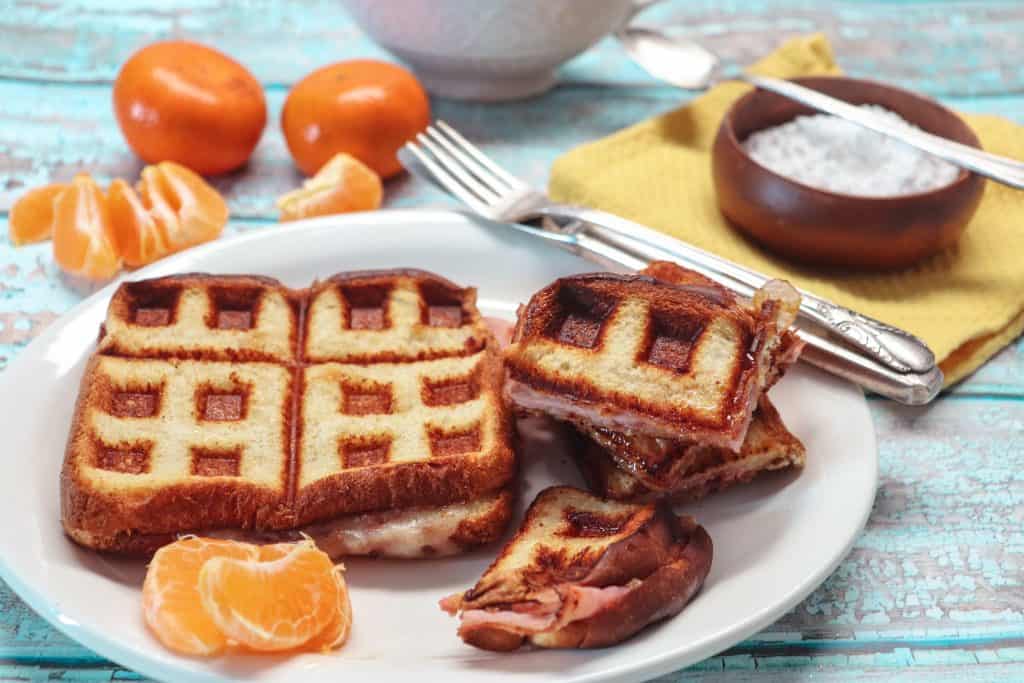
(366, 108)
(185, 102)
(336, 632)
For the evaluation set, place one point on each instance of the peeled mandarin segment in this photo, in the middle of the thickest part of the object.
(336, 632)
(83, 239)
(170, 594)
(31, 217)
(139, 239)
(202, 212)
(272, 605)
(344, 184)
(165, 218)
(186, 209)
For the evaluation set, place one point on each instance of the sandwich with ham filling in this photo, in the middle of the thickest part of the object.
(584, 572)
(663, 375)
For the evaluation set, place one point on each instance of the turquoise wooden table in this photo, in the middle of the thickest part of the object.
(934, 588)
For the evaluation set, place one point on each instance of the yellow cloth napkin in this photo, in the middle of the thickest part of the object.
(967, 303)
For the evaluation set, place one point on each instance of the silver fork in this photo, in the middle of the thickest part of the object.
(882, 358)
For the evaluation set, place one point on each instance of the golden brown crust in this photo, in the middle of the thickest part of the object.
(487, 528)
(507, 581)
(433, 482)
(474, 530)
(123, 544)
(494, 639)
(384, 275)
(789, 346)
(142, 519)
(667, 271)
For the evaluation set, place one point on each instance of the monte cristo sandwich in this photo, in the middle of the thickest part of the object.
(365, 411)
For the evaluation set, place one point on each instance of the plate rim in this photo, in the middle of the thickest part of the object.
(148, 665)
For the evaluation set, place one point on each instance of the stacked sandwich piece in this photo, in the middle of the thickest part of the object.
(662, 374)
(366, 411)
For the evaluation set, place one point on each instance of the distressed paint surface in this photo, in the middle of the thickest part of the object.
(941, 47)
(932, 591)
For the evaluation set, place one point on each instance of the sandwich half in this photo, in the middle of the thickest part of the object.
(678, 360)
(583, 572)
(366, 411)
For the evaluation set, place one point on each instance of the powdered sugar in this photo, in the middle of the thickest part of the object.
(831, 154)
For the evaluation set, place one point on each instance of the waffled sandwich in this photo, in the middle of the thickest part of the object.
(583, 572)
(366, 411)
(662, 373)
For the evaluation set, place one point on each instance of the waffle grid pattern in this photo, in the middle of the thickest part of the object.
(627, 346)
(201, 379)
(172, 421)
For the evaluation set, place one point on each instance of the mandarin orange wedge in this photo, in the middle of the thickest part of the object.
(31, 218)
(342, 185)
(170, 594)
(139, 239)
(83, 239)
(274, 605)
(186, 209)
(336, 632)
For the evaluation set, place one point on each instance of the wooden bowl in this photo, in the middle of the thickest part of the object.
(824, 228)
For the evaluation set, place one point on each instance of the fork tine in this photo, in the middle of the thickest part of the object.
(449, 181)
(456, 169)
(482, 158)
(495, 182)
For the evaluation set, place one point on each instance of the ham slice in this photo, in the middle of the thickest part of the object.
(501, 329)
(508, 620)
(530, 618)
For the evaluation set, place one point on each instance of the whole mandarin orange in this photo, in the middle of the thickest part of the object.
(184, 102)
(365, 108)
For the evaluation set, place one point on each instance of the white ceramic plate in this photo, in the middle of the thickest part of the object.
(775, 539)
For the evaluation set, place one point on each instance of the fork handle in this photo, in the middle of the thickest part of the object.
(611, 245)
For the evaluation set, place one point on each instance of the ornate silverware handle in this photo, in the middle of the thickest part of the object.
(900, 350)
(1001, 169)
(896, 349)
